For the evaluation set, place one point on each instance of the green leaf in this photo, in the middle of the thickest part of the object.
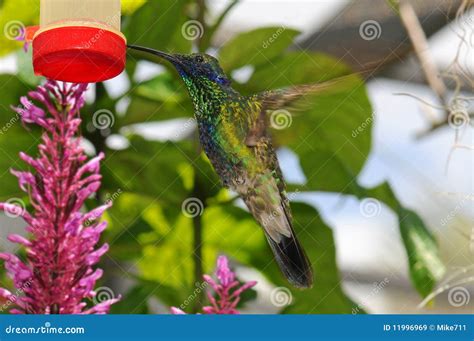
(294, 68)
(169, 260)
(426, 267)
(150, 168)
(256, 47)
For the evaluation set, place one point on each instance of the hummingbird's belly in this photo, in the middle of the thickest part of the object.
(227, 157)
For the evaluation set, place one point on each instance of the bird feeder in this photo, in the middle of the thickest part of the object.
(79, 40)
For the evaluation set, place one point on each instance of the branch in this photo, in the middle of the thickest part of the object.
(420, 45)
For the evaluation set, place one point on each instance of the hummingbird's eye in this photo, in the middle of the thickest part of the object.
(199, 59)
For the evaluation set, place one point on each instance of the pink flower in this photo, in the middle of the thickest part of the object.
(227, 291)
(57, 276)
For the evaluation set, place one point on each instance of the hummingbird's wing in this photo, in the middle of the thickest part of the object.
(291, 99)
(286, 97)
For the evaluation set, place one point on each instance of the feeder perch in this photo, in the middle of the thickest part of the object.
(79, 41)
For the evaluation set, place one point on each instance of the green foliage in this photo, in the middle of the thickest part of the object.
(157, 24)
(148, 180)
(256, 47)
(426, 268)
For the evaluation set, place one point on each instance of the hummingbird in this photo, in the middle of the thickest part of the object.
(233, 133)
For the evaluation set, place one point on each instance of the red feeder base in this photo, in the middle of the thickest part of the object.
(78, 54)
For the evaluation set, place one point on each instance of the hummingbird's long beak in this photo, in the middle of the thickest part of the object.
(167, 56)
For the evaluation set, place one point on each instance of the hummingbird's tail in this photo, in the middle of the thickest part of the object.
(292, 260)
(270, 208)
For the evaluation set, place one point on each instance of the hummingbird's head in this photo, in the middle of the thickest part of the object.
(196, 69)
(199, 67)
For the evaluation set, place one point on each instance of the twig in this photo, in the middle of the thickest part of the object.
(420, 45)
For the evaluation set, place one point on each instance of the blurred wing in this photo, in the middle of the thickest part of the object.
(285, 98)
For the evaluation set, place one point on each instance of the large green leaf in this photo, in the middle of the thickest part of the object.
(256, 47)
(426, 267)
(169, 260)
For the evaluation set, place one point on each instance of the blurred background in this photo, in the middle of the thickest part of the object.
(414, 144)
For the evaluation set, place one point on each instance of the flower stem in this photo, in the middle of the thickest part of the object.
(197, 247)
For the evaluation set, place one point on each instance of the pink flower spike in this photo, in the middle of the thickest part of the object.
(58, 275)
(225, 294)
(223, 272)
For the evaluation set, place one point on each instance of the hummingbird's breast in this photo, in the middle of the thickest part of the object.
(222, 133)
